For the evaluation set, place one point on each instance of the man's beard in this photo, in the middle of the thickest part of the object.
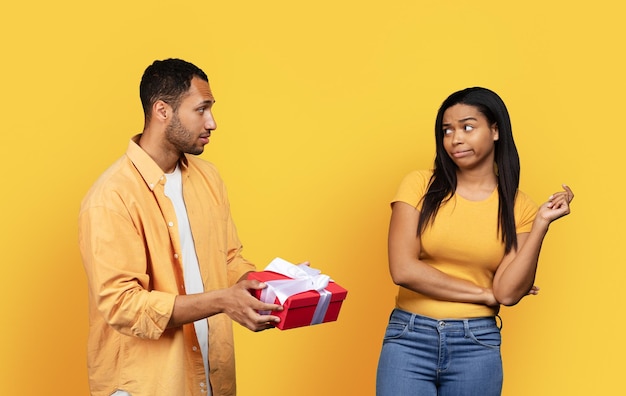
(181, 137)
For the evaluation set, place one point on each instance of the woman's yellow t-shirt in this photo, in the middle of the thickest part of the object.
(463, 241)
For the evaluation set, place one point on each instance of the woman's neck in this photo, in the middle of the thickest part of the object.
(476, 185)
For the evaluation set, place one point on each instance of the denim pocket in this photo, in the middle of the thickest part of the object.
(395, 330)
(486, 336)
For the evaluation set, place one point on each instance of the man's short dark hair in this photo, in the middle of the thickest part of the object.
(167, 80)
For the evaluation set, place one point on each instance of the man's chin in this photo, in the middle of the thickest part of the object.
(195, 150)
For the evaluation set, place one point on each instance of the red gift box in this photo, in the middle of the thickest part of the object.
(299, 309)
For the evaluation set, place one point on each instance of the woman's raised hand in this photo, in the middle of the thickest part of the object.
(558, 205)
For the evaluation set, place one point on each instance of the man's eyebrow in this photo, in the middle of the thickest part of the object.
(207, 102)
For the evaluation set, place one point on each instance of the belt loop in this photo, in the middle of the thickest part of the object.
(412, 322)
(466, 328)
(499, 322)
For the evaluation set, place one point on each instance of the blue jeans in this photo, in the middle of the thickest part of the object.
(426, 357)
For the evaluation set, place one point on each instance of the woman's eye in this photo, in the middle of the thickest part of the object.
(201, 110)
(469, 127)
(447, 131)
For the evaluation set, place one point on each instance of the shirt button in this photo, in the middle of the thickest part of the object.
(202, 384)
(151, 186)
(194, 348)
(171, 224)
(175, 255)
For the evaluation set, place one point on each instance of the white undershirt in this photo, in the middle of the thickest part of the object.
(191, 268)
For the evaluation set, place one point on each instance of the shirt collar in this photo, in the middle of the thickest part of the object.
(151, 173)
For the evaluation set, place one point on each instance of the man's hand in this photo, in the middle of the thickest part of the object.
(242, 307)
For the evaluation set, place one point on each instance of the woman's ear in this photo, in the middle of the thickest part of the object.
(494, 132)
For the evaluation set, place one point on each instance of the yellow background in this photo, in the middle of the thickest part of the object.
(322, 108)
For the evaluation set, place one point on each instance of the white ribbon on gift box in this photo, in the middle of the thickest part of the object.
(303, 278)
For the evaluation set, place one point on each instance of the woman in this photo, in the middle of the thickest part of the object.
(462, 240)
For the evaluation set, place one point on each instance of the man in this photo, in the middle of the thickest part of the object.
(162, 254)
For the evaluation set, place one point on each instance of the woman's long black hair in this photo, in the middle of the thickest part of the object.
(442, 184)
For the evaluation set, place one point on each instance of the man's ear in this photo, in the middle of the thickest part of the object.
(161, 110)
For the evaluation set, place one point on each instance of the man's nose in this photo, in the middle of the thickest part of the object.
(209, 123)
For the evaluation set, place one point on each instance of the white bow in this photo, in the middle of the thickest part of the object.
(303, 278)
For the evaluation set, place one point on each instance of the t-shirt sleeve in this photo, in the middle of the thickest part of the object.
(525, 212)
(412, 188)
